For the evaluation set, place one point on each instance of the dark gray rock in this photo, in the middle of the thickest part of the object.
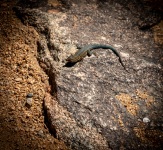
(96, 104)
(29, 95)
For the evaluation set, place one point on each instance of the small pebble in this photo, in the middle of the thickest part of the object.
(41, 133)
(18, 79)
(146, 120)
(29, 95)
(29, 102)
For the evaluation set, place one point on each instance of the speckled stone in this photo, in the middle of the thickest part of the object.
(84, 110)
(29, 102)
(30, 95)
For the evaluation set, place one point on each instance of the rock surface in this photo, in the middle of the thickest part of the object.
(95, 104)
(21, 127)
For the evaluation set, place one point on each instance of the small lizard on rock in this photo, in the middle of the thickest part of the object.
(87, 51)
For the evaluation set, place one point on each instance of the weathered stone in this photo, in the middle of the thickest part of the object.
(29, 102)
(41, 133)
(30, 95)
(146, 120)
(96, 104)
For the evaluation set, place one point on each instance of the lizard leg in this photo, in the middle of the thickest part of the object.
(94, 53)
(78, 46)
(89, 53)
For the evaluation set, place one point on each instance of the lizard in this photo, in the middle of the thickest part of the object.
(87, 51)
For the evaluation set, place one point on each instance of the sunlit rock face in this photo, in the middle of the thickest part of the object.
(96, 104)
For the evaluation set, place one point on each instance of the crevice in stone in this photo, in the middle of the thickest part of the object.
(47, 66)
(50, 72)
(47, 121)
(69, 128)
(47, 54)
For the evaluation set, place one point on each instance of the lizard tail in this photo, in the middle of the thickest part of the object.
(96, 46)
(118, 55)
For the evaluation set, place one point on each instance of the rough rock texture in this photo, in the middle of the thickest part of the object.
(95, 104)
(23, 85)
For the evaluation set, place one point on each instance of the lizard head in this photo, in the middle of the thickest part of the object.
(69, 58)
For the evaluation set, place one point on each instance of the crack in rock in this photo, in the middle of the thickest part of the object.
(94, 104)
